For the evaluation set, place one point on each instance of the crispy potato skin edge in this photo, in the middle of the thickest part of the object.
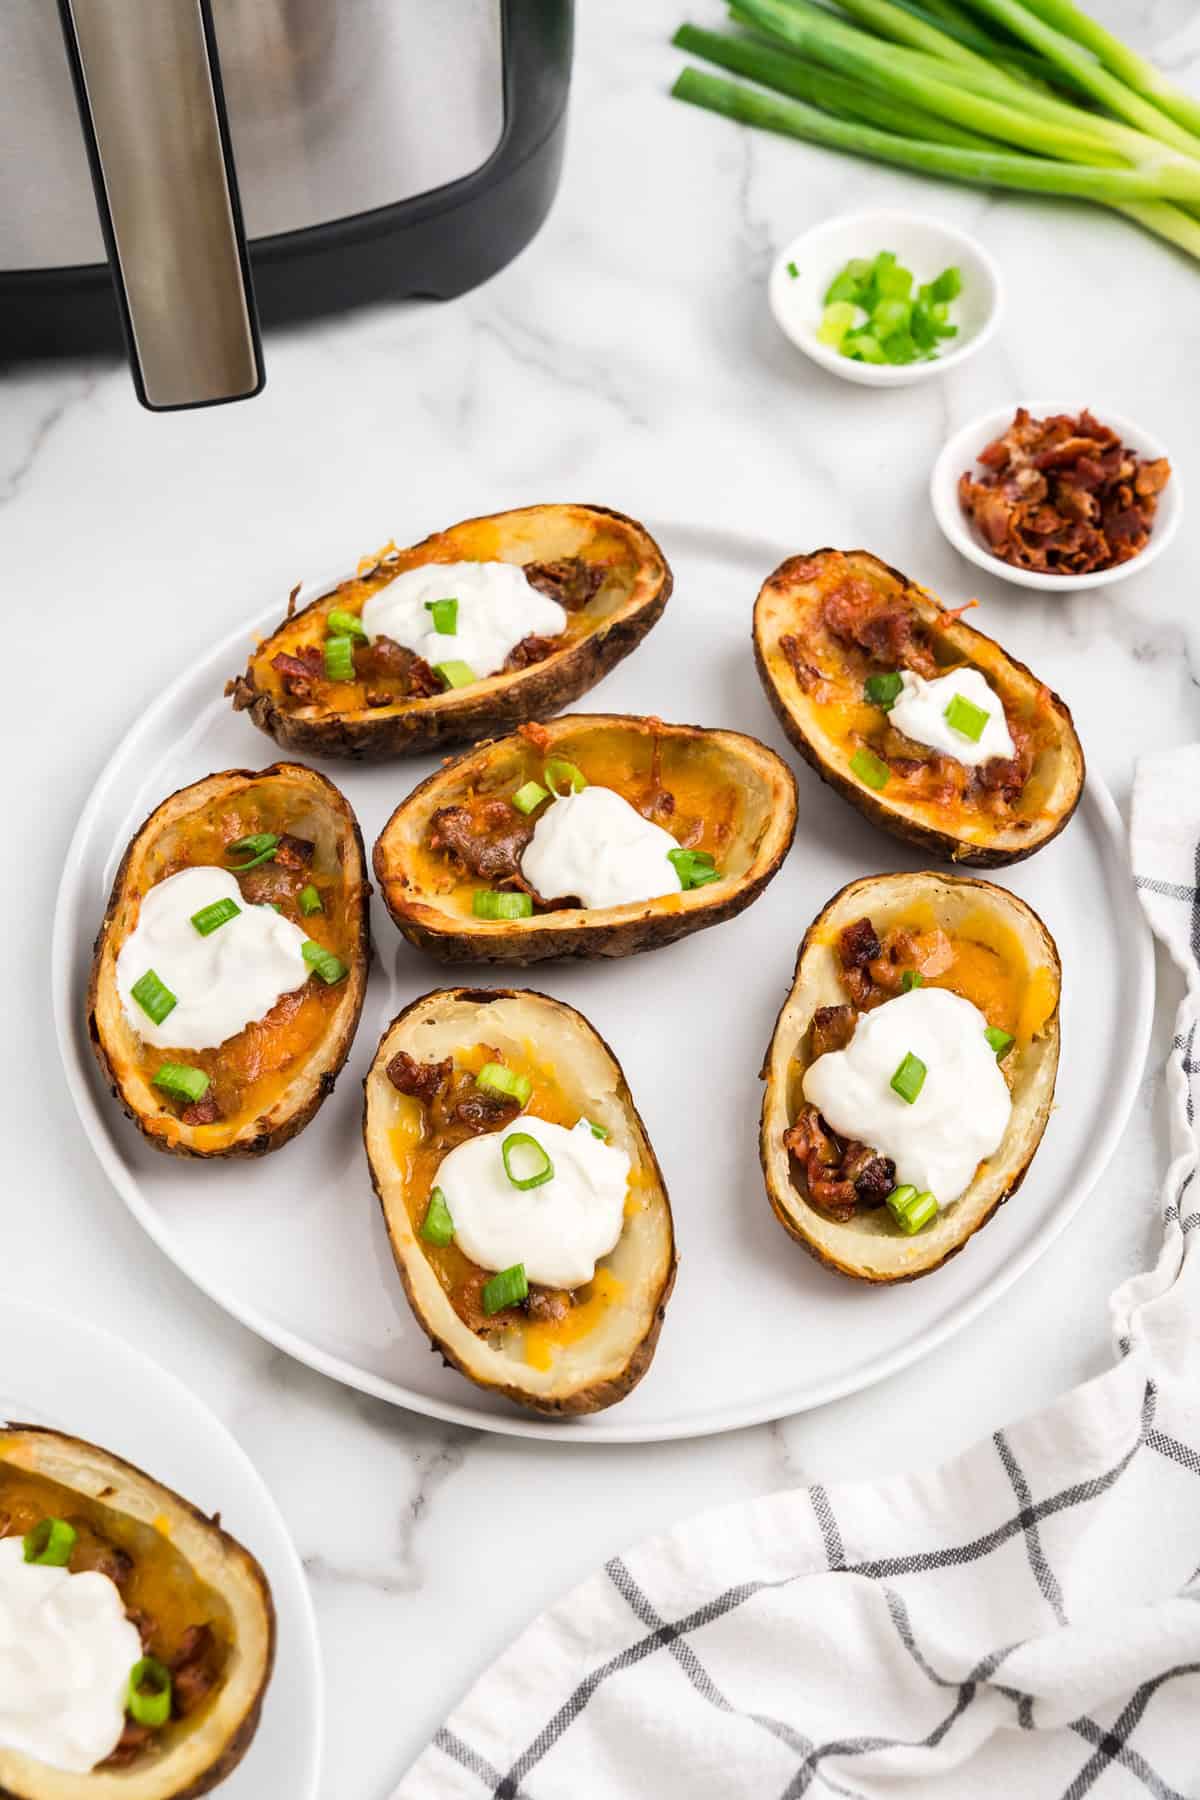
(944, 844)
(270, 1135)
(596, 1396)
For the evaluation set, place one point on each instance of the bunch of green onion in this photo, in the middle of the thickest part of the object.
(1026, 94)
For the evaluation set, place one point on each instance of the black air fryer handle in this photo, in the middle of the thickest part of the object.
(148, 85)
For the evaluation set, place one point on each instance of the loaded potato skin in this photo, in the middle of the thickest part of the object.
(722, 804)
(838, 635)
(261, 1083)
(465, 1068)
(604, 569)
(878, 940)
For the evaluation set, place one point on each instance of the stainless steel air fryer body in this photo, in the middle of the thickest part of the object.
(372, 147)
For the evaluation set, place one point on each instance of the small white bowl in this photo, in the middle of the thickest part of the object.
(923, 245)
(961, 453)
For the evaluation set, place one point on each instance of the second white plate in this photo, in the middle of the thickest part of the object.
(294, 1245)
(56, 1371)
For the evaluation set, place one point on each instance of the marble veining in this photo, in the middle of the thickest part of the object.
(628, 358)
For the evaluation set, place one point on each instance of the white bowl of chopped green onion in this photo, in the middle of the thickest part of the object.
(886, 298)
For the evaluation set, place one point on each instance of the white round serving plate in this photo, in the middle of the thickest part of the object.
(961, 452)
(924, 245)
(294, 1245)
(58, 1372)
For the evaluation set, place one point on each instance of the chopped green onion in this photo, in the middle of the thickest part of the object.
(561, 776)
(947, 286)
(437, 1227)
(534, 1157)
(962, 715)
(148, 1700)
(1000, 1041)
(272, 905)
(182, 1081)
(486, 903)
(50, 1543)
(909, 1078)
(153, 996)
(870, 770)
(884, 690)
(339, 623)
(217, 912)
(793, 271)
(911, 978)
(455, 674)
(323, 962)
(918, 1213)
(695, 868)
(899, 1200)
(529, 796)
(445, 616)
(504, 1290)
(260, 847)
(495, 1078)
(310, 901)
(836, 321)
(597, 1131)
(339, 658)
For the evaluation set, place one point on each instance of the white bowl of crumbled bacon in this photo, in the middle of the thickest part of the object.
(1057, 499)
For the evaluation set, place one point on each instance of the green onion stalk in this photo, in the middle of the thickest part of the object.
(920, 98)
(1131, 190)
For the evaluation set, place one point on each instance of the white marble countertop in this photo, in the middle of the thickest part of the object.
(627, 357)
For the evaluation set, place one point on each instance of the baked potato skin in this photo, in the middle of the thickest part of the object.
(595, 1396)
(486, 708)
(581, 934)
(946, 845)
(793, 1218)
(175, 1507)
(272, 1132)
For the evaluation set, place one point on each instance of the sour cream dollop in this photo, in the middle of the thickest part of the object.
(961, 1112)
(920, 713)
(558, 1230)
(66, 1650)
(596, 846)
(222, 982)
(497, 607)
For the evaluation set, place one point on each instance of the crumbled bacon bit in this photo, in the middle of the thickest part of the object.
(571, 580)
(421, 1080)
(201, 1112)
(301, 673)
(1063, 495)
(883, 625)
(532, 649)
(293, 852)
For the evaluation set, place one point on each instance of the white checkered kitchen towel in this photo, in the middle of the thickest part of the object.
(1020, 1624)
